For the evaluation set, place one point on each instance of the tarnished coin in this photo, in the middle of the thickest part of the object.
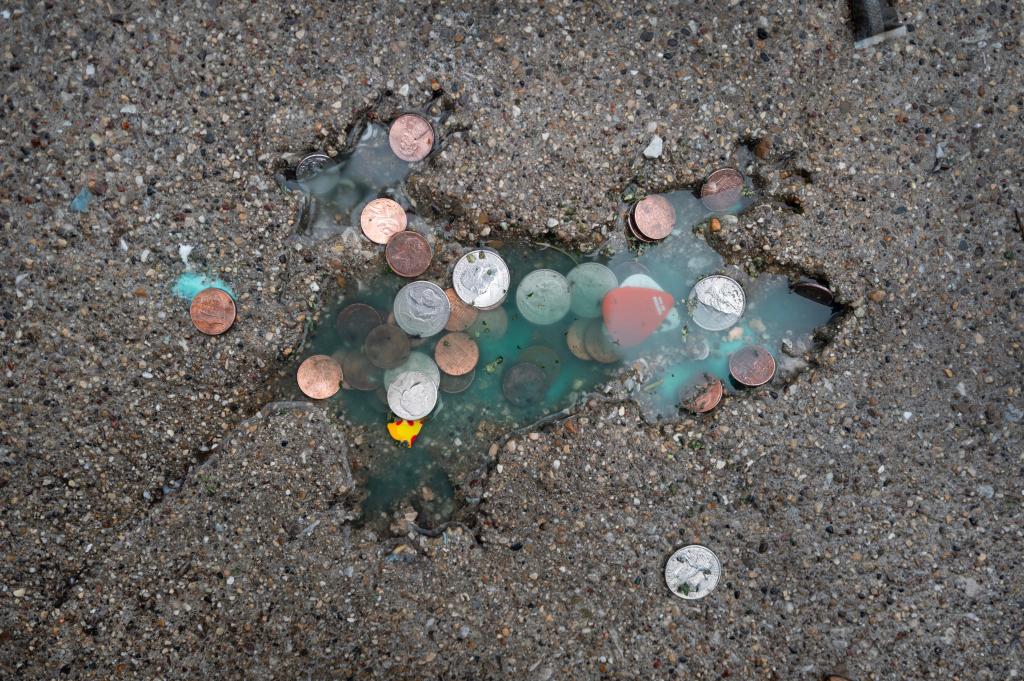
(752, 366)
(416, 361)
(716, 302)
(490, 325)
(456, 353)
(544, 357)
(381, 219)
(588, 284)
(212, 311)
(702, 395)
(812, 290)
(359, 372)
(481, 279)
(408, 254)
(386, 346)
(574, 338)
(411, 137)
(457, 384)
(654, 217)
(692, 572)
(462, 316)
(312, 165)
(319, 377)
(422, 309)
(599, 344)
(722, 189)
(412, 395)
(524, 384)
(543, 297)
(354, 322)
(637, 234)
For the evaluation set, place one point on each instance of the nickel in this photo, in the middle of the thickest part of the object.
(814, 291)
(412, 395)
(422, 309)
(692, 572)
(588, 284)
(481, 279)
(543, 297)
(212, 311)
(716, 302)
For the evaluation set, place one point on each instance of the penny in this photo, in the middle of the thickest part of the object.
(416, 361)
(312, 165)
(456, 353)
(812, 290)
(462, 316)
(412, 395)
(654, 217)
(598, 344)
(722, 189)
(544, 357)
(319, 377)
(212, 311)
(386, 346)
(359, 372)
(422, 309)
(716, 302)
(354, 322)
(381, 219)
(481, 278)
(693, 572)
(408, 254)
(490, 325)
(543, 297)
(702, 395)
(574, 339)
(752, 366)
(588, 284)
(524, 384)
(637, 234)
(411, 137)
(457, 384)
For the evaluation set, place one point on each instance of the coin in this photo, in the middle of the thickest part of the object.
(456, 353)
(624, 270)
(524, 384)
(408, 254)
(654, 217)
(462, 316)
(716, 302)
(212, 311)
(812, 290)
(319, 377)
(636, 232)
(381, 219)
(598, 344)
(412, 395)
(354, 322)
(544, 357)
(359, 372)
(588, 284)
(311, 165)
(692, 572)
(422, 309)
(411, 137)
(574, 339)
(752, 366)
(416, 361)
(386, 346)
(490, 325)
(702, 395)
(481, 279)
(457, 384)
(543, 297)
(722, 189)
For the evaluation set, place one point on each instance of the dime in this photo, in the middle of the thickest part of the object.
(481, 279)
(412, 395)
(490, 325)
(359, 372)
(354, 322)
(692, 572)
(598, 344)
(588, 284)
(386, 346)
(716, 302)
(654, 217)
(408, 254)
(416, 361)
(422, 309)
(722, 189)
(814, 291)
(462, 316)
(752, 366)
(457, 384)
(212, 311)
(411, 137)
(574, 338)
(702, 395)
(524, 384)
(544, 357)
(543, 297)
(312, 165)
(319, 377)
(456, 353)
(381, 219)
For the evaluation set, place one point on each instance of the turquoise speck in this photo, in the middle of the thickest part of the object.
(191, 283)
(80, 203)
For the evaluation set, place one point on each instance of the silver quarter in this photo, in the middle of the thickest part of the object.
(543, 297)
(481, 279)
(422, 309)
(312, 165)
(716, 302)
(418, 362)
(692, 572)
(588, 284)
(412, 396)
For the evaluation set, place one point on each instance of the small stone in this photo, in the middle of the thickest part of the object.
(715, 225)
(18, 593)
(876, 296)
(653, 149)
(510, 446)
(763, 148)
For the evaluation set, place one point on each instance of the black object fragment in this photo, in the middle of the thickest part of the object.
(873, 22)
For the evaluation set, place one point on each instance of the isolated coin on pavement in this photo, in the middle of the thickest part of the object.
(311, 165)
(411, 137)
(692, 572)
(212, 311)
(722, 189)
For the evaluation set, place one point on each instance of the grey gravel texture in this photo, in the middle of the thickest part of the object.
(868, 516)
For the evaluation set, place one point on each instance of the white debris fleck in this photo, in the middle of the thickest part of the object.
(653, 149)
(185, 250)
(129, 109)
(907, 415)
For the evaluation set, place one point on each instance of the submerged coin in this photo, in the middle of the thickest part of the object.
(722, 189)
(654, 217)
(524, 384)
(490, 325)
(752, 366)
(457, 384)
(702, 395)
(416, 361)
(311, 165)
(574, 338)
(319, 377)
(412, 395)
(812, 290)
(386, 346)
(381, 219)
(637, 234)
(411, 137)
(716, 302)
(408, 254)
(588, 284)
(462, 316)
(422, 309)
(481, 278)
(354, 322)
(599, 344)
(212, 311)
(359, 372)
(456, 353)
(543, 297)
(544, 357)
(692, 572)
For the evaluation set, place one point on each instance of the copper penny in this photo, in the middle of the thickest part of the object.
(212, 311)
(462, 316)
(359, 372)
(456, 353)
(636, 232)
(544, 357)
(654, 217)
(456, 384)
(490, 325)
(386, 346)
(574, 339)
(354, 322)
(722, 189)
(752, 366)
(411, 137)
(598, 344)
(381, 219)
(812, 290)
(408, 254)
(703, 395)
(319, 377)
(524, 384)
